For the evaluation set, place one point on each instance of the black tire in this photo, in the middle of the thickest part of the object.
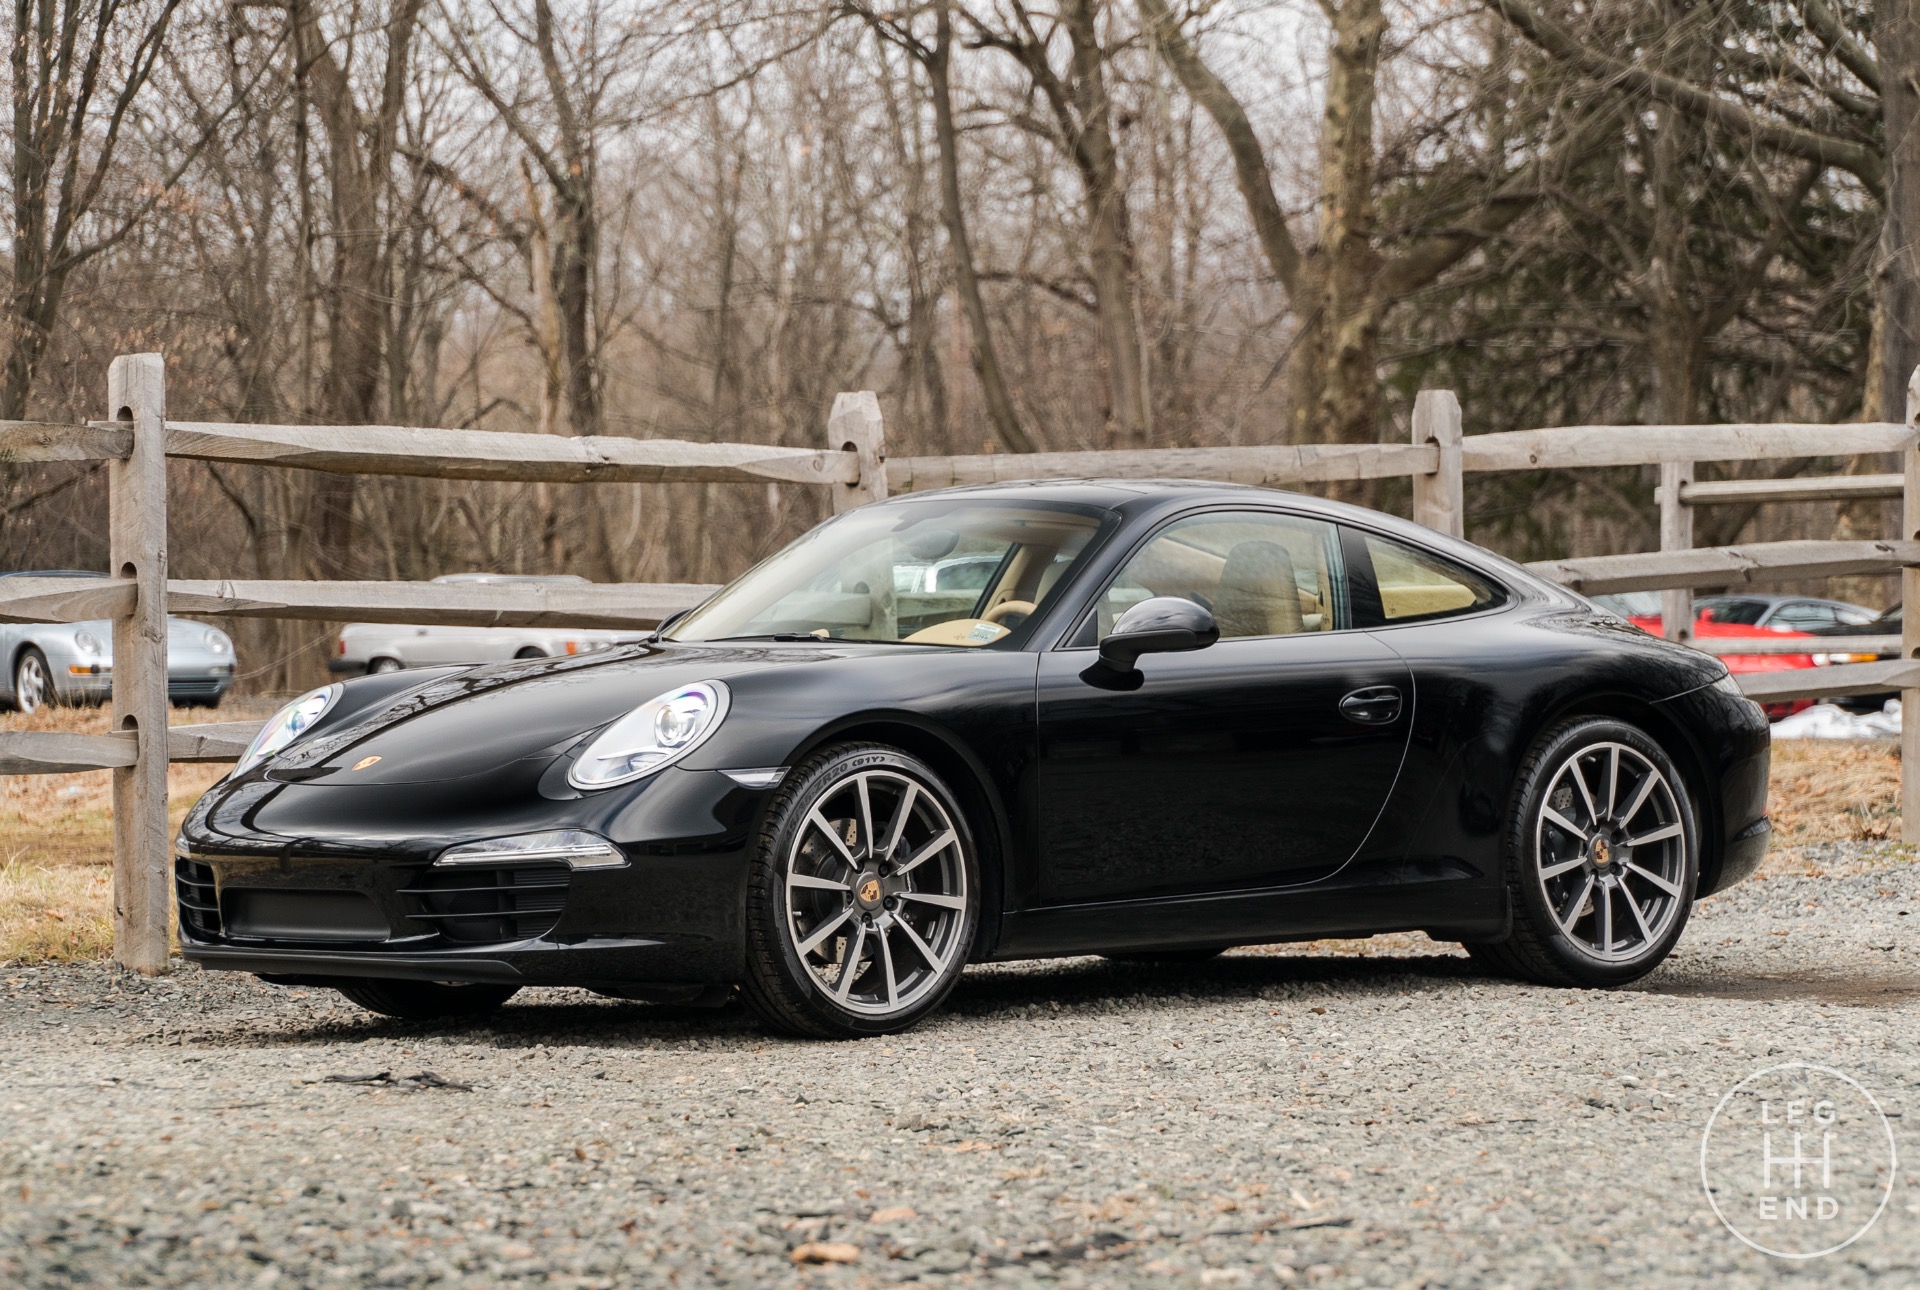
(426, 1000)
(32, 672)
(1170, 957)
(381, 666)
(528, 651)
(914, 902)
(1571, 895)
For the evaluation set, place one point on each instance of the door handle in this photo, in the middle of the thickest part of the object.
(1376, 705)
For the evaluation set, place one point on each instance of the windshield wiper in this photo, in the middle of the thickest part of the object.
(765, 636)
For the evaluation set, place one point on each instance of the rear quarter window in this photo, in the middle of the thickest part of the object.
(1415, 585)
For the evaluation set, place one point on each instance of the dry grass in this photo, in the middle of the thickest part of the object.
(1834, 790)
(56, 839)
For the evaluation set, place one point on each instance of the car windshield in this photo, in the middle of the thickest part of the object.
(1733, 610)
(1632, 604)
(946, 572)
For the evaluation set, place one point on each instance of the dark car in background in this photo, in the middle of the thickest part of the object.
(1835, 650)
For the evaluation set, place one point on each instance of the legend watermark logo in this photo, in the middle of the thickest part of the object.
(1798, 1160)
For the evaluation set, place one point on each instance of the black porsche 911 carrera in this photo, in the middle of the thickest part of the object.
(1153, 719)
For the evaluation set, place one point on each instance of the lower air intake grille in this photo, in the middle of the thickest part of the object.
(199, 903)
(490, 906)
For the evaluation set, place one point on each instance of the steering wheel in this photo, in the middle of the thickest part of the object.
(1006, 607)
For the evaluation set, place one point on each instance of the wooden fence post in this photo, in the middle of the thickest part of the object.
(1910, 628)
(137, 544)
(1439, 499)
(1676, 534)
(856, 427)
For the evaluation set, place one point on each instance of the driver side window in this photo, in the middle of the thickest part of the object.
(1260, 573)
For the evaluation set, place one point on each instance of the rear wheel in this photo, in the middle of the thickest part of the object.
(528, 651)
(863, 897)
(426, 1000)
(380, 666)
(1602, 858)
(32, 681)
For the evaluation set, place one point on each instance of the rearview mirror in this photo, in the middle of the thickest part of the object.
(1161, 625)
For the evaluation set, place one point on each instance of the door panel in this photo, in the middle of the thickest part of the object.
(1232, 767)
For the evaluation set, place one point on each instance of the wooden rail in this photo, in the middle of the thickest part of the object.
(1746, 492)
(491, 455)
(1750, 646)
(34, 752)
(1275, 464)
(37, 441)
(64, 600)
(464, 604)
(1835, 682)
(1723, 566)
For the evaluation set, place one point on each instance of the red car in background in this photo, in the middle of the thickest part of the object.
(1642, 609)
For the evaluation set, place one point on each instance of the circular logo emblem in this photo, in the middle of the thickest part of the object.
(870, 890)
(1602, 852)
(1798, 1160)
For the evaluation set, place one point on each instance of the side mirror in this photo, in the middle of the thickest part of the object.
(1162, 625)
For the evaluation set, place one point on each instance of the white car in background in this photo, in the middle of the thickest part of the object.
(387, 647)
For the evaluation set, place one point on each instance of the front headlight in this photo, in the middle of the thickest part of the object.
(287, 725)
(657, 733)
(86, 642)
(217, 641)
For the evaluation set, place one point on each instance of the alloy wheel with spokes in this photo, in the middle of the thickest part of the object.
(1601, 858)
(1611, 848)
(866, 886)
(32, 681)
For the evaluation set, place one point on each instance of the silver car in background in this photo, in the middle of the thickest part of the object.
(73, 662)
(386, 647)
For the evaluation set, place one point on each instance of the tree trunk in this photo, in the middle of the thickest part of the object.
(986, 360)
(1345, 408)
(1896, 26)
(359, 154)
(1109, 237)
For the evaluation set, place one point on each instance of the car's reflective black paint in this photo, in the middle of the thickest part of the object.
(1229, 798)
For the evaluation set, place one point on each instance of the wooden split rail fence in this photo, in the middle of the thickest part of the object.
(137, 438)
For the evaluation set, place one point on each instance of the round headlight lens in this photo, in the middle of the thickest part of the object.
(86, 642)
(287, 725)
(655, 734)
(217, 641)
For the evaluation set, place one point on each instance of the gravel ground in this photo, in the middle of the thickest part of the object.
(1297, 1118)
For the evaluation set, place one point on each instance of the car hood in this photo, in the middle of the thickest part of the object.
(484, 717)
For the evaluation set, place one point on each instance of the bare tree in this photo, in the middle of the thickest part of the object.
(77, 68)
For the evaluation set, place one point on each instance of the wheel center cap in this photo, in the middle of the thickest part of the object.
(1602, 851)
(868, 890)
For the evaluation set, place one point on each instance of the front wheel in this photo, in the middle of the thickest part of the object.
(32, 681)
(1602, 858)
(863, 896)
(426, 1000)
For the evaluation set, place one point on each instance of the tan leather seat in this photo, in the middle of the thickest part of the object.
(1258, 595)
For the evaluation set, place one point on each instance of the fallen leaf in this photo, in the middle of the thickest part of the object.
(893, 1214)
(826, 1252)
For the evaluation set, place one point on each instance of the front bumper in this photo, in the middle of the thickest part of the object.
(297, 905)
(93, 683)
